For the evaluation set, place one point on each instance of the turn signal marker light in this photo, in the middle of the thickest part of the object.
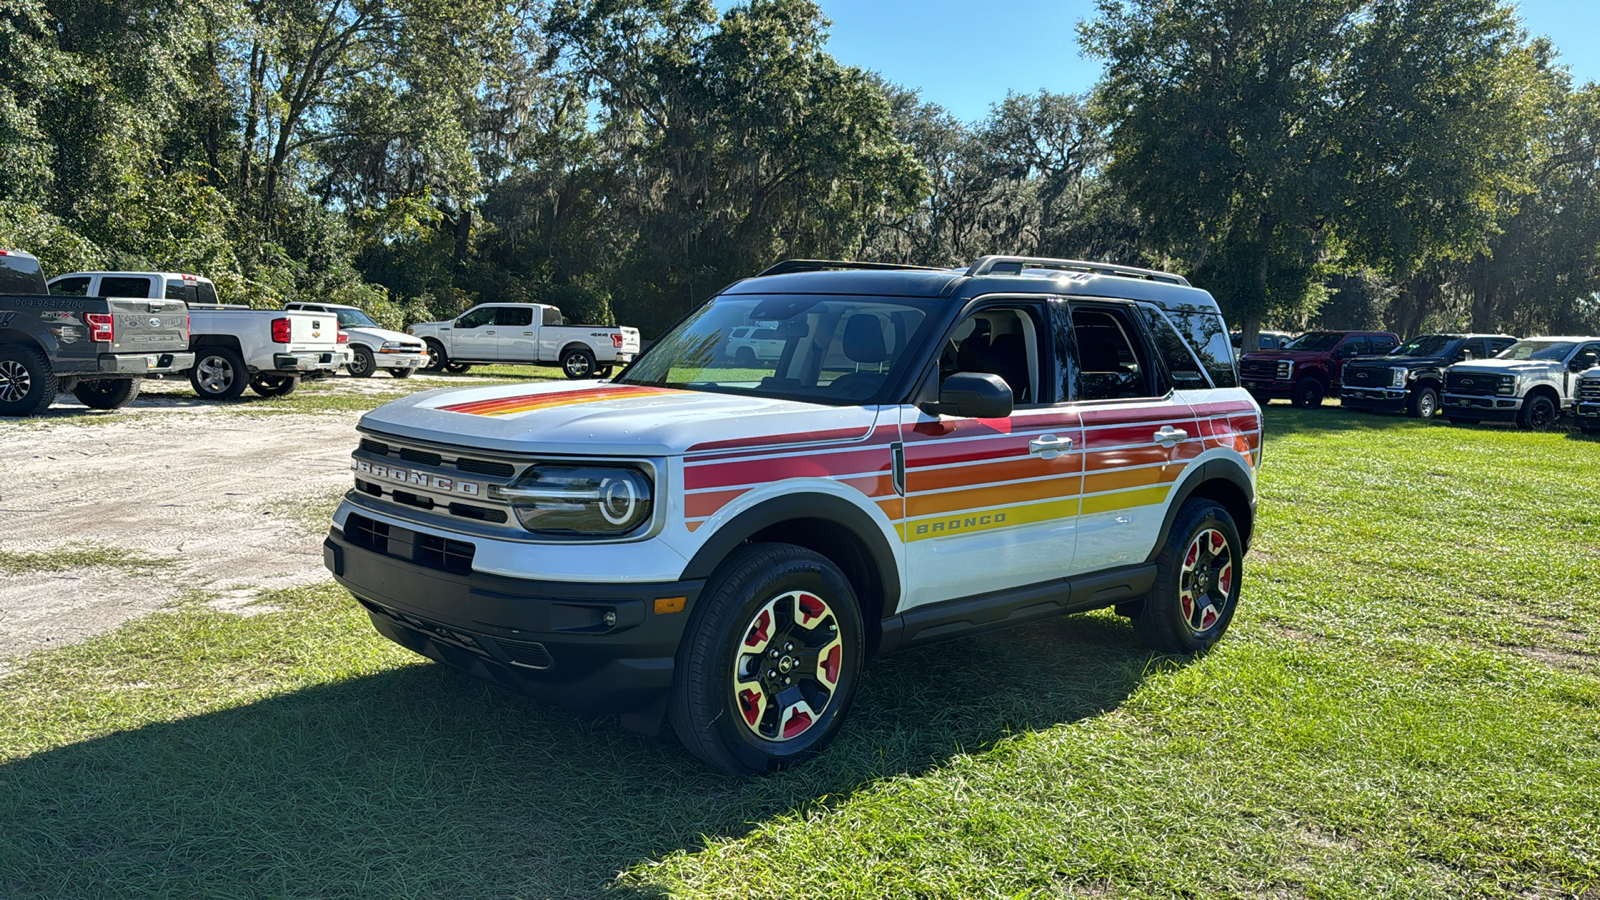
(666, 605)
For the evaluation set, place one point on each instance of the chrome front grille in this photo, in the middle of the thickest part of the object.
(1589, 390)
(433, 485)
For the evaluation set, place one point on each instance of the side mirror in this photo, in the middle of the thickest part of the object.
(972, 395)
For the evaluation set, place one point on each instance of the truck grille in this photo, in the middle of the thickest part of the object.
(1259, 368)
(1475, 383)
(1365, 377)
(433, 486)
(433, 552)
(1589, 390)
(428, 458)
(525, 654)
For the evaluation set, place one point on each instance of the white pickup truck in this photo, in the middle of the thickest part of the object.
(526, 334)
(234, 346)
(372, 346)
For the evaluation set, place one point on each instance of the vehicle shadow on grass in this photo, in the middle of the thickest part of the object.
(424, 782)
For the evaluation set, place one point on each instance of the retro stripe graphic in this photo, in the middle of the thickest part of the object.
(980, 476)
(505, 406)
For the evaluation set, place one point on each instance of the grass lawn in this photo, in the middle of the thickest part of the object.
(1408, 706)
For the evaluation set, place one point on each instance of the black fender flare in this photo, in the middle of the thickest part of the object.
(798, 507)
(38, 336)
(1210, 471)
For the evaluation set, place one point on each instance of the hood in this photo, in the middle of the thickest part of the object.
(603, 419)
(1508, 366)
(1294, 355)
(1404, 362)
(377, 336)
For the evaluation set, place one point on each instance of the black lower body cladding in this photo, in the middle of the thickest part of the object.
(593, 648)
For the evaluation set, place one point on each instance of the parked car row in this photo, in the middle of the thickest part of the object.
(98, 335)
(1468, 378)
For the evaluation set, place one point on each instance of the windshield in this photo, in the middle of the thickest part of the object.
(1551, 350)
(1316, 340)
(1427, 345)
(818, 348)
(354, 318)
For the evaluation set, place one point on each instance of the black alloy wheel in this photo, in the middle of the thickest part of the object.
(1539, 413)
(27, 384)
(769, 661)
(1308, 393)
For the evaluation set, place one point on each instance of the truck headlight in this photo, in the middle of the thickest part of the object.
(1285, 369)
(579, 500)
(1397, 376)
(393, 346)
(1508, 385)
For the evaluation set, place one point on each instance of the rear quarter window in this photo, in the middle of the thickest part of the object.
(1207, 335)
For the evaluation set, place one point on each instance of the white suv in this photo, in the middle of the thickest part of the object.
(935, 452)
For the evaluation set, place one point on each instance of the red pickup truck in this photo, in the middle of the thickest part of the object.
(1309, 367)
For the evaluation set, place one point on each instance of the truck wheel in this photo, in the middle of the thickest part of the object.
(274, 385)
(578, 363)
(1308, 393)
(744, 358)
(457, 368)
(361, 365)
(437, 358)
(769, 661)
(218, 374)
(1424, 404)
(1197, 581)
(1538, 413)
(27, 385)
(401, 373)
(107, 393)
(605, 371)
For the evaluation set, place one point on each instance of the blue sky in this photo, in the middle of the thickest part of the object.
(965, 54)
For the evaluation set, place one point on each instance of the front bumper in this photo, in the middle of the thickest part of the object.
(401, 359)
(1586, 410)
(1380, 399)
(1503, 409)
(1266, 388)
(595, 648)
(315, 361)
(145, 363)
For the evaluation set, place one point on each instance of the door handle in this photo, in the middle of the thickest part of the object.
(1048, 446)
(488, 332)
(1169, 437)
(525, 333)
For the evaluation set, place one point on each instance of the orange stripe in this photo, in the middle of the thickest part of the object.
(1130, 478)
(501, 406)
(993, 495)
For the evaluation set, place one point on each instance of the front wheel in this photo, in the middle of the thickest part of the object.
(769, 661)
(578, 363)
(1308, 393)
(1424, 404)
(107, 393)
(1538, 413)
(274, 385)
(1197, 581)
(218, 374)
(361, 364)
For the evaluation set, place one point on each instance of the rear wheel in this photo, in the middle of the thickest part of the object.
(361, 364)
(1197, 581)
(578, 363)
(1538, 413)
(274, 385)
(218, 374)
(769, 661)
(457, 368)
(401, 373)
(107, 393)
(27, 384)
(1308, 393)
(744, 358)
(1424, 404)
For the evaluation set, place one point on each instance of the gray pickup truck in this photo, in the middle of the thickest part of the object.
(98, 348)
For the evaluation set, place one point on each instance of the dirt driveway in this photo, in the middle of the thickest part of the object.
(104, 517)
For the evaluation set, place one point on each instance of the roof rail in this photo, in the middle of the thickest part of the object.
(818, 265)
(1013, 265)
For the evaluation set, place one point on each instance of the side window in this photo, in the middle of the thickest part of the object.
(1110, 358)
(552, 316)
(177, 290)
(477, 318)
(1586, 358)
(71, 287)
(1498, 345)
(1207, 337)
(514, 316)
(124, 287)
(1381, 344)
(1001, 341)
(1183, 371)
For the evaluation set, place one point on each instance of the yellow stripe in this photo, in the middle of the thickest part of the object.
(1125, 500)
(1027, 514)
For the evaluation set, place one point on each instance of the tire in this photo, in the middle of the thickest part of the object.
(218, 374)
(1197, 581)
(1424, 404)
(27, 384)
(1539, 413)
(1308, 393)
(107, 393)
(605, 371)
(771, 721)
(401, 373)
(361, 365)
(457, 368)
(274, 385)
(436, 356)
(744, 358)
(578, 363)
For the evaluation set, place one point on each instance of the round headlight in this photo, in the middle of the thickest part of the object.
(579, 500)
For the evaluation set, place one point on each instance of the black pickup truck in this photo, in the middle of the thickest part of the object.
(99, 348)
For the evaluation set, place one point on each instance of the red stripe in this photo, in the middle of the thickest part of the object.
(1168, 412)
(497, 404)
(777, 440)
(810, 465)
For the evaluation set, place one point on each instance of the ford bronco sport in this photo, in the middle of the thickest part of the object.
(721, 545)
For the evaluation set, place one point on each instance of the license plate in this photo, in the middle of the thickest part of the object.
(150, 362)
